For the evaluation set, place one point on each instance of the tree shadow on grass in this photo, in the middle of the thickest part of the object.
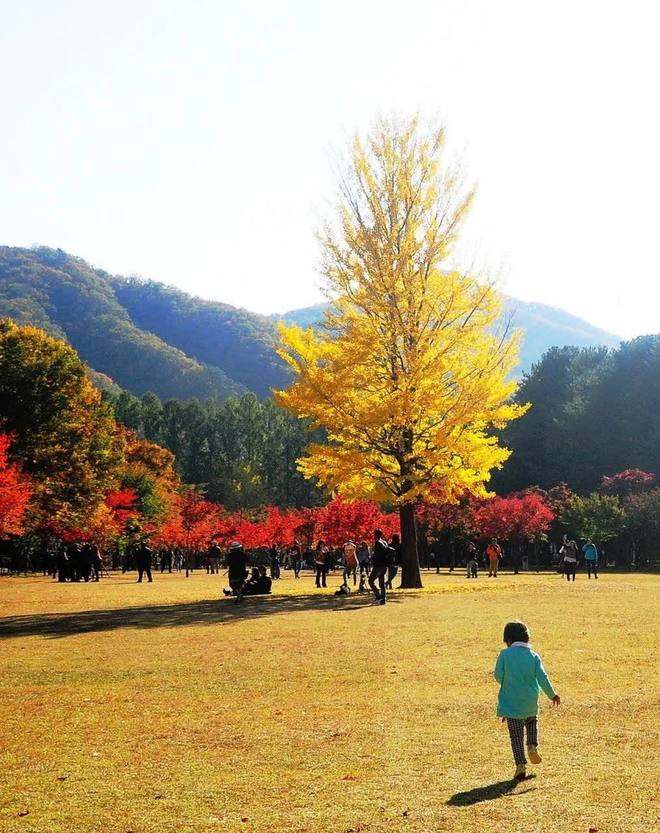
(206, 612)
(489, 792)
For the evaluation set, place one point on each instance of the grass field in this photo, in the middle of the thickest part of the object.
(164, 707)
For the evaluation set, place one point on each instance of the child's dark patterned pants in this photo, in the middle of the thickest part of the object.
(516, 728)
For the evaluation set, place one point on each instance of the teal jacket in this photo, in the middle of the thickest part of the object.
(521, 676)
(590, 552)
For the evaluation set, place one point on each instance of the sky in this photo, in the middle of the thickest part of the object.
(195, 142)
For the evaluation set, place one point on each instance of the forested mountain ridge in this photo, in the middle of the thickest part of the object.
(114, 323)
(146, 336)
(240, 342)
(545, 327)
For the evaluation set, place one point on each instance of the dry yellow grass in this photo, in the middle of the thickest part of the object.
(163, 707)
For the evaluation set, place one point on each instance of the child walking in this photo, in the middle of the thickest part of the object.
(521, 676)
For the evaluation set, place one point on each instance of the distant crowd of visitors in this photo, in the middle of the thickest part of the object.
(364, 568)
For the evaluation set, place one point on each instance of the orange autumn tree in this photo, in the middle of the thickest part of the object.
(409, 377)
(15, 492)
(64, 433)
(192, 521)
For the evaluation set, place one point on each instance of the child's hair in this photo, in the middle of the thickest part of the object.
(516, 632)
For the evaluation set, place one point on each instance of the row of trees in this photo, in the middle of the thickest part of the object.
(624, 511)
(593, 411)
(68, 470)
(243, 452)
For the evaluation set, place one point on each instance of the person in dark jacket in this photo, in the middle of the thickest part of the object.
(143, 559)
(296, 558)
(395, 560)
(322, 556)
(274, 562)
(62, 564)
(380, 560)
(260, 584)
(236, 568)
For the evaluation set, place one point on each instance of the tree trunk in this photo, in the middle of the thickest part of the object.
(410, 574)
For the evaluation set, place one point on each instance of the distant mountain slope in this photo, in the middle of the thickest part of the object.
(544, 327)
(67, 298)
(547, 327)
(241, 343)
(146, 336)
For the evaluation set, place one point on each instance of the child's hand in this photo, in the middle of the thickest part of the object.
(556, 700)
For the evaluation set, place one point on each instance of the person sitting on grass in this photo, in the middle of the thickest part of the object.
(521, 676)
(259, 583)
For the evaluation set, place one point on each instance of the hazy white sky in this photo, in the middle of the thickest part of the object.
(191, 142)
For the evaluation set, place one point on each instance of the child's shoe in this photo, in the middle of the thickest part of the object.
(533, 754)
(521, 773)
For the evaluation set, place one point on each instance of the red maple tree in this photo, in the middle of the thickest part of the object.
(15, 492)
(523, 516)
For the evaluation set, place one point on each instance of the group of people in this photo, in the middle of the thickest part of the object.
(78, 562)
(258, 583)
(377, 567)
(571, 552)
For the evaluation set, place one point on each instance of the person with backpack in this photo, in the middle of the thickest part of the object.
(382, 556)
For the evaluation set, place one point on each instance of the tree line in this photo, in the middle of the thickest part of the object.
(243, 451)
(594, 412)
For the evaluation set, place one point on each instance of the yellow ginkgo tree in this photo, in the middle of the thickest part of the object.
(410, 374)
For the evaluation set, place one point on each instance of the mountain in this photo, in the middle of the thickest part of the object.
(544, 327)
(145, 336)
(241, 343)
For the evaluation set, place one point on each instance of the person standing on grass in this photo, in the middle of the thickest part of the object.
(143, 558)
(472, 561)
(494, 554)
(380, 561)
(395, 560)
(274, 562)
(522, 677)
(591, 557)
(296, 558)
(363, 558)
(570, 552)
(236, 569)
(350, 562)
(321, 563)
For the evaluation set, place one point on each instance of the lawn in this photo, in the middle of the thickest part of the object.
(166, 707)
